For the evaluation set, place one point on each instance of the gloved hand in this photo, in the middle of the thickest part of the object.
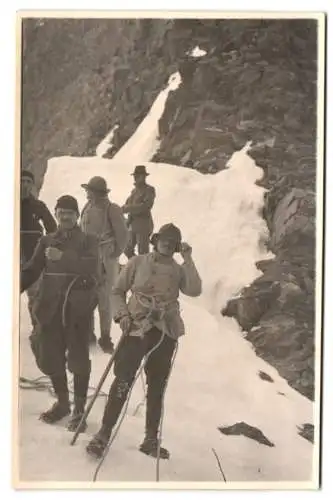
(53, 253)
(125, 324)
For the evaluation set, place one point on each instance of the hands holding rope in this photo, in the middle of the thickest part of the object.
(125, 324)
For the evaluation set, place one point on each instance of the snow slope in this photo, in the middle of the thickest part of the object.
(215, 379)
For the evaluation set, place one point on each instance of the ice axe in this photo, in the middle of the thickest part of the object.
(98, 388)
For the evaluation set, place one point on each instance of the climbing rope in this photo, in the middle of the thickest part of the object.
(75, 277)
(159, 433)
(153, 307)
(43, 383)
(142, 402)
(124, 411)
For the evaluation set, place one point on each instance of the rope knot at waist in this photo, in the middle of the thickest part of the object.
(157, 308)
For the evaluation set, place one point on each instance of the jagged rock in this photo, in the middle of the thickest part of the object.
(307, 432)
(265, 376)
(253, 302)
(292, 214)
(244, 429)
(284, 338)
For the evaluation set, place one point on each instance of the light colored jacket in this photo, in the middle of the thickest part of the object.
(155, 283)
(106, 222)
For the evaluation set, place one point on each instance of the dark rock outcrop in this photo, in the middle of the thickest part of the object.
(265, 376)
(284, 325)
(307, 432)
(244, 429)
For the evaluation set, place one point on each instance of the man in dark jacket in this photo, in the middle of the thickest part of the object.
(67, 261)
(35, 219)
(138, 206)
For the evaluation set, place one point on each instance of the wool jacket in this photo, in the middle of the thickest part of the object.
(154, 282)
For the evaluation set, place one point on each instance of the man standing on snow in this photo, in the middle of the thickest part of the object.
(152, 324)
(138, 206)
(33, 213)
(106, 222)
(67, 261)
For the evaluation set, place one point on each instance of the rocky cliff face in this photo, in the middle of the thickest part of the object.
(256, 82)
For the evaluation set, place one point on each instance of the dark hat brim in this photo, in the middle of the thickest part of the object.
(141, 173)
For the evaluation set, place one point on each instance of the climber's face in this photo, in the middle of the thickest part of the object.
(166, 246)
(26, 187)
(67, 219)
(92, 195)
(139, 179)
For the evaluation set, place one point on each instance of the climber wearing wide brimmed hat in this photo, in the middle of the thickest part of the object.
(104, 220)
(96, 184)
(138, 206)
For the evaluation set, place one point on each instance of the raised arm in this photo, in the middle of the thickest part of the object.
(47, 219)
(190, 281)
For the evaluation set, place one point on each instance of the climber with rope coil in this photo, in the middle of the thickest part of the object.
(151, 324)
(67, 263)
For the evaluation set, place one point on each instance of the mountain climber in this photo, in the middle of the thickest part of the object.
(67, 261)
(106, 222)
(138, 206)
(152, 324)
(33, 213)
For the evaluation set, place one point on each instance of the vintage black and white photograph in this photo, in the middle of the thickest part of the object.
(170, 221)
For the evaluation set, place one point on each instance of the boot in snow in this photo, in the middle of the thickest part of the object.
(150, 447)
(81, 383)
(106, 345)
(59, 410)
(74, 421)
(97, 445)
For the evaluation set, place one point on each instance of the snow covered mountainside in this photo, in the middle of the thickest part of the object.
(217, 380)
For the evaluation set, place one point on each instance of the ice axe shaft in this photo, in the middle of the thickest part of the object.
(97, 390)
